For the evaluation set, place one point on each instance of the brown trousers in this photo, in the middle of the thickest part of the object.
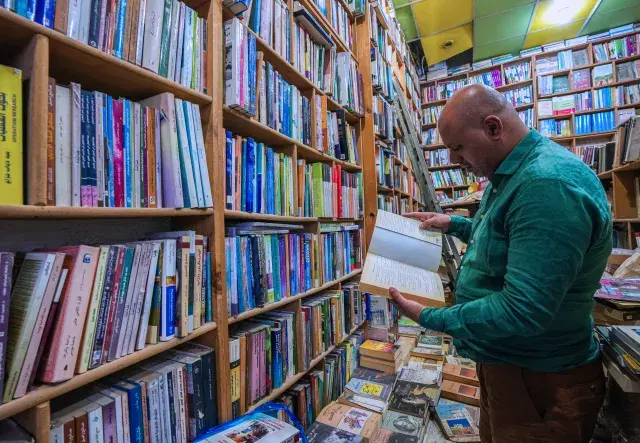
(519, 406)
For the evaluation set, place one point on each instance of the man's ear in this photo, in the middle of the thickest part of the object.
(493, 126)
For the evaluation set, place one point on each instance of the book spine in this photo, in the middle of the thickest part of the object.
(173, 40)
(149, 293)
(163, 68)
(168, 300)
(120, 306)
(94, 23)
(85, 193)
(76, 144)
(73, 19)
(151, 157)
(6, 269)
(60, 23)
(99, 149)
(118, 155)
(111, 311)
(118, 41)
(152, 35)
(51, 143)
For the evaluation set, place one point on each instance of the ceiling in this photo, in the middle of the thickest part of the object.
(497, 27)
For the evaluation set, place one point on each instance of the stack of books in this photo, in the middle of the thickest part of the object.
(520, 96)
(257, 428)
(527, 117)
(615, 49)
(438, 157)
(339, 422)
(328, 191)
(627, 95)
(451, 177)
(271, 22)
(340, 140)
(312, 47)
(597, 122)
(431, 136)
(429, 94)
(267, 262)
(381, 74)
(491, 78)
(341, 250)
(604, 98)
(111, 300)
(448, 88)
(518, 72)
(381, 356)
(384, 117)
(171, 397)
(431, 114)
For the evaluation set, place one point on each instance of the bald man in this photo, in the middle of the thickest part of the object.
(536, 250)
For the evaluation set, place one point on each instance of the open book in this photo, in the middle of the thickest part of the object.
(403, 256)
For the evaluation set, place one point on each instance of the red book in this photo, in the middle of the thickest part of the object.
(339, 191)
(118, 155)
(64, 345)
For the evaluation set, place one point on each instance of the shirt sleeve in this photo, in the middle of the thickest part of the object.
(549, 229)
(460, 227)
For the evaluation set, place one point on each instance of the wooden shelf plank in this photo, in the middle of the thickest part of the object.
(296, 378)
(47, 392)
(434, 147)
(584, 136)
(8, 212)
(117, 77)
(442, 167)
(271, 306)
(633, 166)
(240, 215)
(459, 204)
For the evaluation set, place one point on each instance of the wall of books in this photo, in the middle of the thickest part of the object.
(187, 233)
(577, 92)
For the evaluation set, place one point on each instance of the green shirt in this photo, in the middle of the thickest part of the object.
(536, 251)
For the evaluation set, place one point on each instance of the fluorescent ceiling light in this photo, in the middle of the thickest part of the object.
(562, 11)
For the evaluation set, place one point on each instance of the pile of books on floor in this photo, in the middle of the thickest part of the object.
(171, 397)
(432, 398)
(618, 301)
(110, 300)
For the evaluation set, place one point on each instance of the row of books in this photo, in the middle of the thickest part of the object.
(400, 179)
(384, 117)
(307, 398)
(400, 150)
(328, 191)
(341, 251)
(271, 21)
(268, 262)
(520, 96)
(598, 122)
(616, 49)
(549, 84)
(378, 33)
(459, 193)
(583, 102)
(527, 117)
(491, 78)
(431, 136)
(257, 178)
(340, 138)
(167, 38)
(450, 87)
(431, 114)
(451, 177)
(626, 95)
(381, 75)
(555, 128)
(438, 157)
(429, 94)
(112, 300)
(629, 71)
(589, 154)
(518, 72)
(347, 84)
(313, 57)
(171, 397)
(117, 153)
(396, 203)
(562, 60)
(340, 23)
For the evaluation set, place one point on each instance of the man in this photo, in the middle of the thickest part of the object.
(536, 250)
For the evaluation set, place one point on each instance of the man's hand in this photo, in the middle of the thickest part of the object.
(431, 220)
(409, 308)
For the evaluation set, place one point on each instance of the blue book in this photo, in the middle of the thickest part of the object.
(118, 39)
(276, 356)
(244, 178)
(307, 262)
(259, 274)
(286, 104)
(240, 305)
(251, 49)
(31, 10)
(94, 23)
(254, 18)
(270, 93)
(195, 162)
(134, 400)
(126, 149)
(229, 171)
(109, 129)
(45, 12)
(257, 197)
(20, 7)
(250, 297)
(251, 174)
(275, 254)
(84, 148)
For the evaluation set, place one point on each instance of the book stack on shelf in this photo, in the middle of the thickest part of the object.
(451, 178)
(517, 72)
(438, 157)
(491, 78)
(447, 88)
(431, 114)
(520, 96)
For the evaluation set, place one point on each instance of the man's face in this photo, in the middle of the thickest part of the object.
(470, 146)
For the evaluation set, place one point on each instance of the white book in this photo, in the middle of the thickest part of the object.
(138, 298)
(26, 298)
(202, 157)
(136, 155)
(85, 16)
(168, 275)
(140, 32)
(63, 146)
(126, 314)
(188, 178)
(152, 35)
(188, 48)
(263, 96)
(178, 73)
(94, 416)
(73, 19)
(181, 372)
(277, 18)
(197, 53)
(165, 369)
(155, 435)
(146, 308)
(105, 403)
(100, 147)
(173, 39)
(158, 165)
(232, 63)
(76, 142)
(406, 257)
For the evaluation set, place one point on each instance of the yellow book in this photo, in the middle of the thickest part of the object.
(11, 187)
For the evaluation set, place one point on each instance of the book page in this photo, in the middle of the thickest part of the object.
(401, 239)
(381, 273)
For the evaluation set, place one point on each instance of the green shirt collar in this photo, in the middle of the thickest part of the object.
(515, 158)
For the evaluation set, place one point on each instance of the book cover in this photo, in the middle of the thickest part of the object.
(411, 398)
(407, 425)
(458, 421)
(320, 432)
(387, 436)
(11, 144)
(6, 280)
(378, 349)
(353, 420)
(460, 374)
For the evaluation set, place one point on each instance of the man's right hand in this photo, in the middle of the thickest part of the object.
(431, 220)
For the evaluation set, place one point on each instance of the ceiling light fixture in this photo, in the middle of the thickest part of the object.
(562, 11)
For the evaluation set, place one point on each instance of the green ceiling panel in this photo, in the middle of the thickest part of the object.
(398, 3)
(612, 5)
(503, 25)
(619, 17)
(405, 18)
(506, 46)
(486, 7)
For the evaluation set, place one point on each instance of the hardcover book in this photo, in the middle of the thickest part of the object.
(460, 392)
(403, 256)
(412, 398)
(460, 374)
(380, 350)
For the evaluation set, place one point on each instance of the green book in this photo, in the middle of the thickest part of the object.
(275, 252)
(318, 195)
(163, 69)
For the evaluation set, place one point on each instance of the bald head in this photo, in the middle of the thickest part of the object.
(480, 127)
